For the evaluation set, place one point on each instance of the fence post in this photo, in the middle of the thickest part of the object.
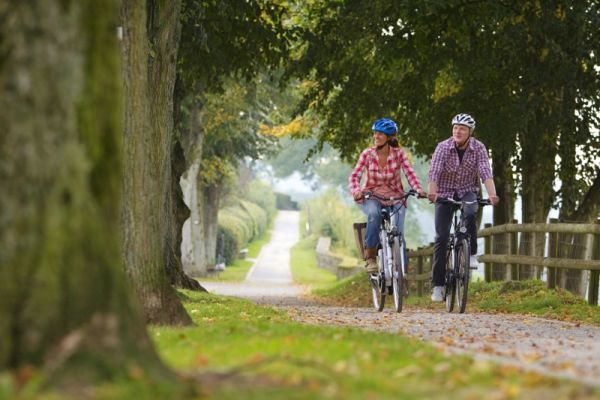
(594, 275)
(552, 253)
(487, 249)
(512, 270)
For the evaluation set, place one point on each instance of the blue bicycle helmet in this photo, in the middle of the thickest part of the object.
(386, 126)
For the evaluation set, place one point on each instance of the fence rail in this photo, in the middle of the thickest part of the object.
(556, 251)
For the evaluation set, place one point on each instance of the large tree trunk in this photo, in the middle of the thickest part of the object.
(180, 212)
(149, 78)
(537, 195)
(578, 246)
(210, 212)
(186, 150)
(503, 212)
(65, 301)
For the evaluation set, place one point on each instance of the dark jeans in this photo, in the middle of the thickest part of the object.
(443, 221)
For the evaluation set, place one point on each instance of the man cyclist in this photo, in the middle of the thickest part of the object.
(455, 166)
(383, 163)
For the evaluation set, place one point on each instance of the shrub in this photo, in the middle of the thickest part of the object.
(329, 215)
(261, 194)
(239, 223)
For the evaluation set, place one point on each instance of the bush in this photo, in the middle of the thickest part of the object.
(328, 215)
(285, 202)
(261, 194)
(238, 225)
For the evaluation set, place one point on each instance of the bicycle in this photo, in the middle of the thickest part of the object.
(458, 271)
(392, 265)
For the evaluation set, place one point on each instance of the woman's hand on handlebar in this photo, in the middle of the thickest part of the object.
(357, 195)
(422, 194)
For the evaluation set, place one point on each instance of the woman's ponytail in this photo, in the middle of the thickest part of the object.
(393, 142)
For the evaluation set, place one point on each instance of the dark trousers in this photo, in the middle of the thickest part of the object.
(443, 221)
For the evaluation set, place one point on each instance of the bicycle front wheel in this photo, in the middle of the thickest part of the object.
(450, 288)
(378, 285)
(398, 273)
(463, 272)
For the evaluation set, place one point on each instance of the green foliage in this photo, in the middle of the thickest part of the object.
(328, 215)
(221, 39)
(285, 202)
(302, 155)
(523, 70)
(261, 193)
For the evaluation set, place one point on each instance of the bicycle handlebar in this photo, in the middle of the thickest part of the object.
(480, 201)
(367, 195)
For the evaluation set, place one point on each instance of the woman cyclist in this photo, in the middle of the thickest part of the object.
(383, 163)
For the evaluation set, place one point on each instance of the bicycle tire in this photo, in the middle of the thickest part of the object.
(398, 273)
(463, 273)
(450, 287)
(378, 286)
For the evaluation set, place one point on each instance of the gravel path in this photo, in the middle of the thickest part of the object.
(553, 348)
(550, 347)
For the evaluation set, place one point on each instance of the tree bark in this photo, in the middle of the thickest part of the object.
(210, 212)
(186, 148)
(150, 40)
(538, 192)
(65, 300)
(503, 212)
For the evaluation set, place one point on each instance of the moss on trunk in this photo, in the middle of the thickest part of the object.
(65, 301)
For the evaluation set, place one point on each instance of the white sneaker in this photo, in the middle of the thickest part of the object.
(473, 262)
(438, 294)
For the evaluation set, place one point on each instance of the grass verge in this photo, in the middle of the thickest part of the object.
(303, 263)
(237, 349)
(260, 353)
(521, 297)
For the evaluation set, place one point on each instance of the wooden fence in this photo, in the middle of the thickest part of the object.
(529, 251)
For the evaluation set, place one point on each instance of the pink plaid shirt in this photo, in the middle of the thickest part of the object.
(457, 177)
(389, 176)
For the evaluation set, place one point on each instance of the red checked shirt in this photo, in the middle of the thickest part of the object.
(388, 176)
(453, 176)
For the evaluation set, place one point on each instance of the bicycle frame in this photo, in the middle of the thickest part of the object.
(457, 278)
(387, 233)
(390, 277)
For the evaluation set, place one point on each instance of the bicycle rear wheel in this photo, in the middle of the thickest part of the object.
(463, 251)
(398, 273)
(450, 288)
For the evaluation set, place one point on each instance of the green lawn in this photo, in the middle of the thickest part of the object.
(303, 262)
(237, 349)
(264, 354)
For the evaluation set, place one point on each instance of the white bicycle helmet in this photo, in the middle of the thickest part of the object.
(463, 119)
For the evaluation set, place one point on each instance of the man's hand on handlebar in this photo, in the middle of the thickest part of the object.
(432, 197)
(494, 200)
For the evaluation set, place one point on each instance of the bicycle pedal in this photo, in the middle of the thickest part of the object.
(473, 268)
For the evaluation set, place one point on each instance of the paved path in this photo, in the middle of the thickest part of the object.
(269, 281)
